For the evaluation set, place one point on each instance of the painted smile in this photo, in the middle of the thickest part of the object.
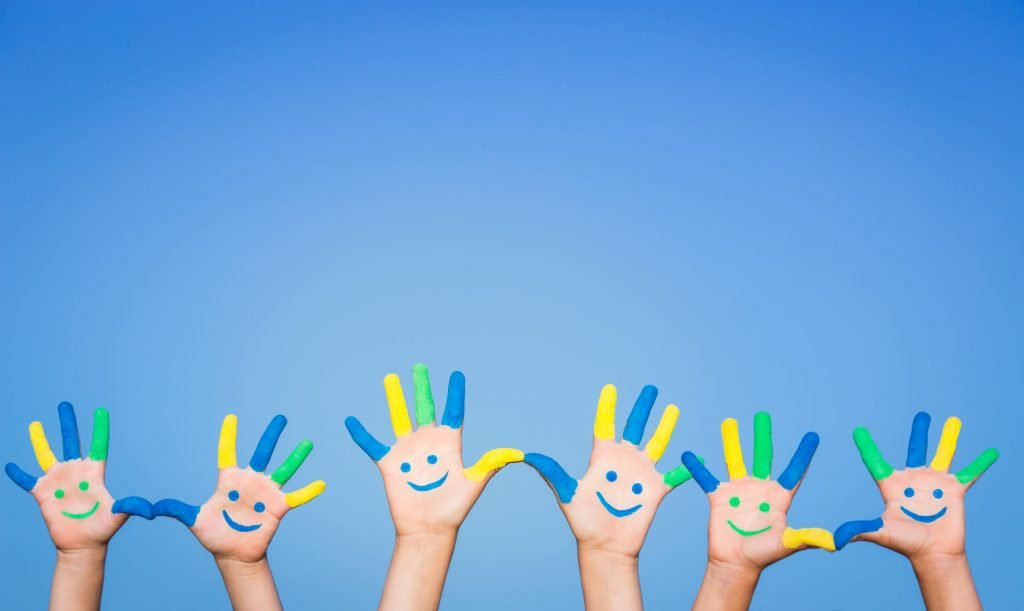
(430, 486)
(921, 518)
(747, 533)
(82, 516)
(242, 528)
(618, 513)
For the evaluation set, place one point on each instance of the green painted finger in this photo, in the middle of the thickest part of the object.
(293, 462)
(762, 445)
(974, 470)
(424, 398)
(100, 434)
(873, 460)
(680, 475)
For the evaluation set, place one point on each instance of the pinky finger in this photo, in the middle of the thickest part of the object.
(794, 538)
(848, 530)
(305, 494)
(25, 481)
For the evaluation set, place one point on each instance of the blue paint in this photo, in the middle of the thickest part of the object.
(242, 528)
(25, 481)
(233, 495)
(405, 467)
(173, 508)
(618, 513)
(69, 431)
(455, 402)
(917, 448)
(937, 493)
(369, 444)
(849, 530)
(908, 492)
(133, 506)
(561, 482)
(268, 441)
(611, 476)
(638, 416)
(430, 486)
(638, 488)
(921, 518)
(432, 459)
(707, 482)
(797, 466)
(259, 507)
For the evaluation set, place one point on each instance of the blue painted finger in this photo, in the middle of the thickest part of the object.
(638, 416)
(133, 506)
(69, 431)
(707, 482)
(801, 460)
(455, 402)
(917, 449)
(268, 441)
(173, 508)
(24, 480)
(849, 530)
(563, 483)
(373, 448)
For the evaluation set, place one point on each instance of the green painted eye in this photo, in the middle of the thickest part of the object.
(58, 493)
(83, 486)
(735, 501)
(764, 507)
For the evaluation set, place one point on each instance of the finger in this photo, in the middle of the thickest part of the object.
(638, 416)
(492, 460)
(305, 494)
(947, 444)
(762, 445)
(455, 402)
(226, 443)
(24, 480)
(655, 447)
(41, 447)
(133, 506)
(180, 511)
(604, 421)
(707, 482)
(69, 431)
(373, 448)
(268, 441)
(291, 464)
(679, 475)
(793, 538)
(561, 482)
(847, 531)
(100, 434)
(973, 471)
(732, 450)
(917, 448)
(873, 460)
(797, 466)
(424, 398)
(396, 406)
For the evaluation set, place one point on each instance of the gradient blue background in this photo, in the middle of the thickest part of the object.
(815, 211)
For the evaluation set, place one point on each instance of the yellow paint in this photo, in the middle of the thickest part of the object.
(226, 443)
(947, 444)
(815, 537)
(492, 460)
(659, 441)
(604, 422)
(731, 448)
(305, 494)
(396, 406)
(44, 455)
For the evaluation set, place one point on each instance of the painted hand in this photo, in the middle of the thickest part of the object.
(612, 506)
(428, 489)
(747, 522)
(77, 508)
(924, 506)
(243, 514)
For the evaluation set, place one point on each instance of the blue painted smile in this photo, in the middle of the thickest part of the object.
(239, 527)
(618, 513)
(925, 519)
(430, 486)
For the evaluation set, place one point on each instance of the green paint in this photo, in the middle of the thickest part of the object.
(764, 507)
(58, 493)
(100, 434)
(293, 462)
(873, 460)
(747, 533)
(83, 486)
(680, 475)
(82, 516)
(735, 501)
(424, 398)
(974, 470)
(762, 445)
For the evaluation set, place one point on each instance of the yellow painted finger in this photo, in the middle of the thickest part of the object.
(396, 406)
(663, 434)
(492, 460)
(731, 448)
(604, 422)
(305, 494)
(44, 455)
(815, 537)
(226, 444)
(947, 444)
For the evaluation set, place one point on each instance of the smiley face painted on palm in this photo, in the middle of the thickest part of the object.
(936, 493)
(61, 494)
(406, 467)
(637, 488)
(258, 507)
(762, 507)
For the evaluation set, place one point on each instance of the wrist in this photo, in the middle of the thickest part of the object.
(241, 569)
(83, 558)
(610, 558)
(732, 575)
(420, 540)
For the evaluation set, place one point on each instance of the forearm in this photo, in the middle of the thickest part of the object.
(419, 566)
(78, 580)
(250, 585)
(610, 580)
(726, 588)
(946, 583)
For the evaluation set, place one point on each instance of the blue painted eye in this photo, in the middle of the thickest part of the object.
(406, 467)
(233, 495)
(611, 476)
(638, 488)
(259, 507)
(909, 492)
(937, 493)
(432, 459)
